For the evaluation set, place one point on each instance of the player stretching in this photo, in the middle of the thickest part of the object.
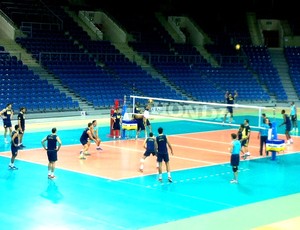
(150, 145)
(85, 139)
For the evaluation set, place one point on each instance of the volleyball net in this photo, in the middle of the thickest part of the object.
(204, 112)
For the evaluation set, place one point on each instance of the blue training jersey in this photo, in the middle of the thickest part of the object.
(162, 144)
(264, 129)
(236, 147)
(51, 142)
(293, 110)
(7, 114)
(150, 144)
(16, 140)
(85, 135)
(287, 121)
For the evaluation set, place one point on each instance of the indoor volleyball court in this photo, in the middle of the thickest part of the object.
(107, 191)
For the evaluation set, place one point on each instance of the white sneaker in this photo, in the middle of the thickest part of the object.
(82, 157)
(291, 141)
(247, 154)
(233, 181)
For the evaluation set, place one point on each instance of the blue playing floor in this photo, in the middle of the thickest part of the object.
(77, 201)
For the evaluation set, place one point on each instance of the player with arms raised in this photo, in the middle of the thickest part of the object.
(230, 98)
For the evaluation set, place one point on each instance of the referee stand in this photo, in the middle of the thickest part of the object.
(274, 144)
(129, 125)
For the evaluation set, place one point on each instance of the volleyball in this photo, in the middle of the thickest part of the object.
(150, 101)
(237, 46)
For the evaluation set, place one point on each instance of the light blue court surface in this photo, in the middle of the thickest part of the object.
(76, 201)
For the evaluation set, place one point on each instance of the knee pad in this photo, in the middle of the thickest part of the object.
(234, 168)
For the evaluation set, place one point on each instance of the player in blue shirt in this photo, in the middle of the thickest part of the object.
(235, 150)
(293, 115)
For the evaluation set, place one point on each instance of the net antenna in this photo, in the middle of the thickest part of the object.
(198, 111)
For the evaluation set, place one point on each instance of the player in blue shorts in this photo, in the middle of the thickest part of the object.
(235, 150)
(53, 146)
(21, 123)
(95, 133)
(288, 127)
(150, 145)
(139, 118)
(14, 147)
(85, 140)
(117, 120)
(245, 139)
(162, 153)
(230, 98)
(147, 124)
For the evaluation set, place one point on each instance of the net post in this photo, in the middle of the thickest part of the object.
(133, 103)
(259, 117)
(124, 110)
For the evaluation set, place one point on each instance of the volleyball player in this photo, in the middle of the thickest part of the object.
(53, 145)
(162, 153)
(230, 98)
(147, 124)
(263, 136)
(245, 138)
(85, 140)
(14, 147)
(139, 118)
(240, 135)
(95, 133)
(150, 145)
(7, 114)
(21, 123)
(235, 150)
(117, 119)
(288, 126)
(293, 115)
